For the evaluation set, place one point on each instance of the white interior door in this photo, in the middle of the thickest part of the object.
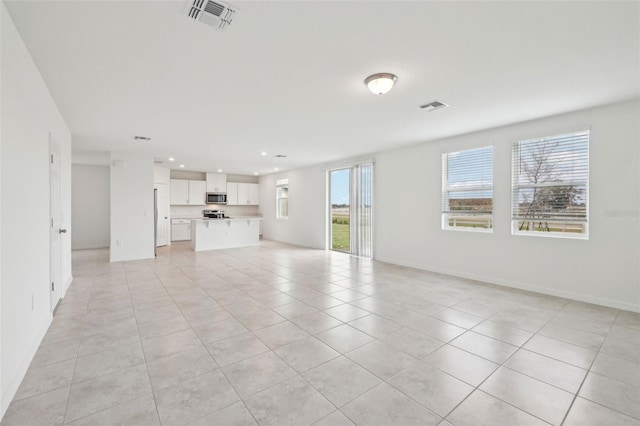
(56, 229)
(163, 214)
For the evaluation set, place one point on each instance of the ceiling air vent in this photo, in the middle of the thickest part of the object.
(213, 13)
(432, 106)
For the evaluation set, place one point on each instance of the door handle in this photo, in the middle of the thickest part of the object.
(62, 231)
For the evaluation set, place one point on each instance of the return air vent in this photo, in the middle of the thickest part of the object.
(213, 13)
(432, 106)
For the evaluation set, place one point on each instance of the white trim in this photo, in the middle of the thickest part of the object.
(66, 286)
(16, 380)
(521, 286)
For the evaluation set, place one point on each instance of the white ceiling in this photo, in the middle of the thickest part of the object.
(287, 76)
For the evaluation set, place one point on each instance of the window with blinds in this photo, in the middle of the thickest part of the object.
(550, 186)
(282, 198)
(467, 189)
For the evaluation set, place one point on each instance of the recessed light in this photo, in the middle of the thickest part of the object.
(219, 170)
(276, 169)
(182, 166)
(263, 153)
(255, 173)
(172, 159)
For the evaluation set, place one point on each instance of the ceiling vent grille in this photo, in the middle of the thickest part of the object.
(432, 106)
(214, 13)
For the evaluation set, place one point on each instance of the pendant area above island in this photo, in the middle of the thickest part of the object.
(214, 234)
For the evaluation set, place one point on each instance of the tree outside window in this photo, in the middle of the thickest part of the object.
(550, 185)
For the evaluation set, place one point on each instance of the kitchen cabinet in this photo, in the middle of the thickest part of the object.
(179, 192)
(180, 229)
(197, 192)
(254, 194)
(216, 182)
(188, 192)
(232, 194)
(243, 194)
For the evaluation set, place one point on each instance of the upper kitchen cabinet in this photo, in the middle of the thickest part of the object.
(197, 192)
(254, 194)
(232, 194)
(179, 192)
(188, 192)
(216, 182)
(243, 194)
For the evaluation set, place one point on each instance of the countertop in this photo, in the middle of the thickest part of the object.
(228, 218)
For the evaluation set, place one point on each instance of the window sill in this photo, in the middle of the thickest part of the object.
(542, 234)
(462, 229)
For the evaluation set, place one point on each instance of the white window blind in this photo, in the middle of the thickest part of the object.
(282, 198)
(467, 189)
(550, 185)
(362, 235)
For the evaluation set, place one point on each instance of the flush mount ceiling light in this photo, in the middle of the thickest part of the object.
(380, 83)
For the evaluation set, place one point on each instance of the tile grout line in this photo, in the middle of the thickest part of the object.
(589, 371)
(477, 388)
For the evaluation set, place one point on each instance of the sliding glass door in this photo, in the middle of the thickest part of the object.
(340, 181)
(351, 206)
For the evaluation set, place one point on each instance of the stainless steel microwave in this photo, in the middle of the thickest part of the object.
(216, 198)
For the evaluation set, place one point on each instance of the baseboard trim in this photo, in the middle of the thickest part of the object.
(518, 285)
(16, 380)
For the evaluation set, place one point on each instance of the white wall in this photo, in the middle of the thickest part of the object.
(604, 270)
(131, 207)
(307, 222)
(90, 207)
(29, 114)
(161, 175)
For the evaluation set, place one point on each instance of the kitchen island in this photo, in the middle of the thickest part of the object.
(213, 234)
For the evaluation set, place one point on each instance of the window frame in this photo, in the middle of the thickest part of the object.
(516, 149)
(280, 184)
(446, 213)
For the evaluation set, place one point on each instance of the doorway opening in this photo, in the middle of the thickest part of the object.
(351, 209)
(340, 210)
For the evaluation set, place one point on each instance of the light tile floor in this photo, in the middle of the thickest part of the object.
(282, 335)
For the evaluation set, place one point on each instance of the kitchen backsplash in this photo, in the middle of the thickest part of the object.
(179, 212)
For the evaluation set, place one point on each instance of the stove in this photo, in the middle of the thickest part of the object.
(214, 214)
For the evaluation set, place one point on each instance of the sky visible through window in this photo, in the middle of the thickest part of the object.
(468, 168)
(340, 187)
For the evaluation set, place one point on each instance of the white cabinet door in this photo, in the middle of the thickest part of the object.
(197, 190)
(179, 192)
(232, 194)
(243, 194)
(216, 182)
(254, 194)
